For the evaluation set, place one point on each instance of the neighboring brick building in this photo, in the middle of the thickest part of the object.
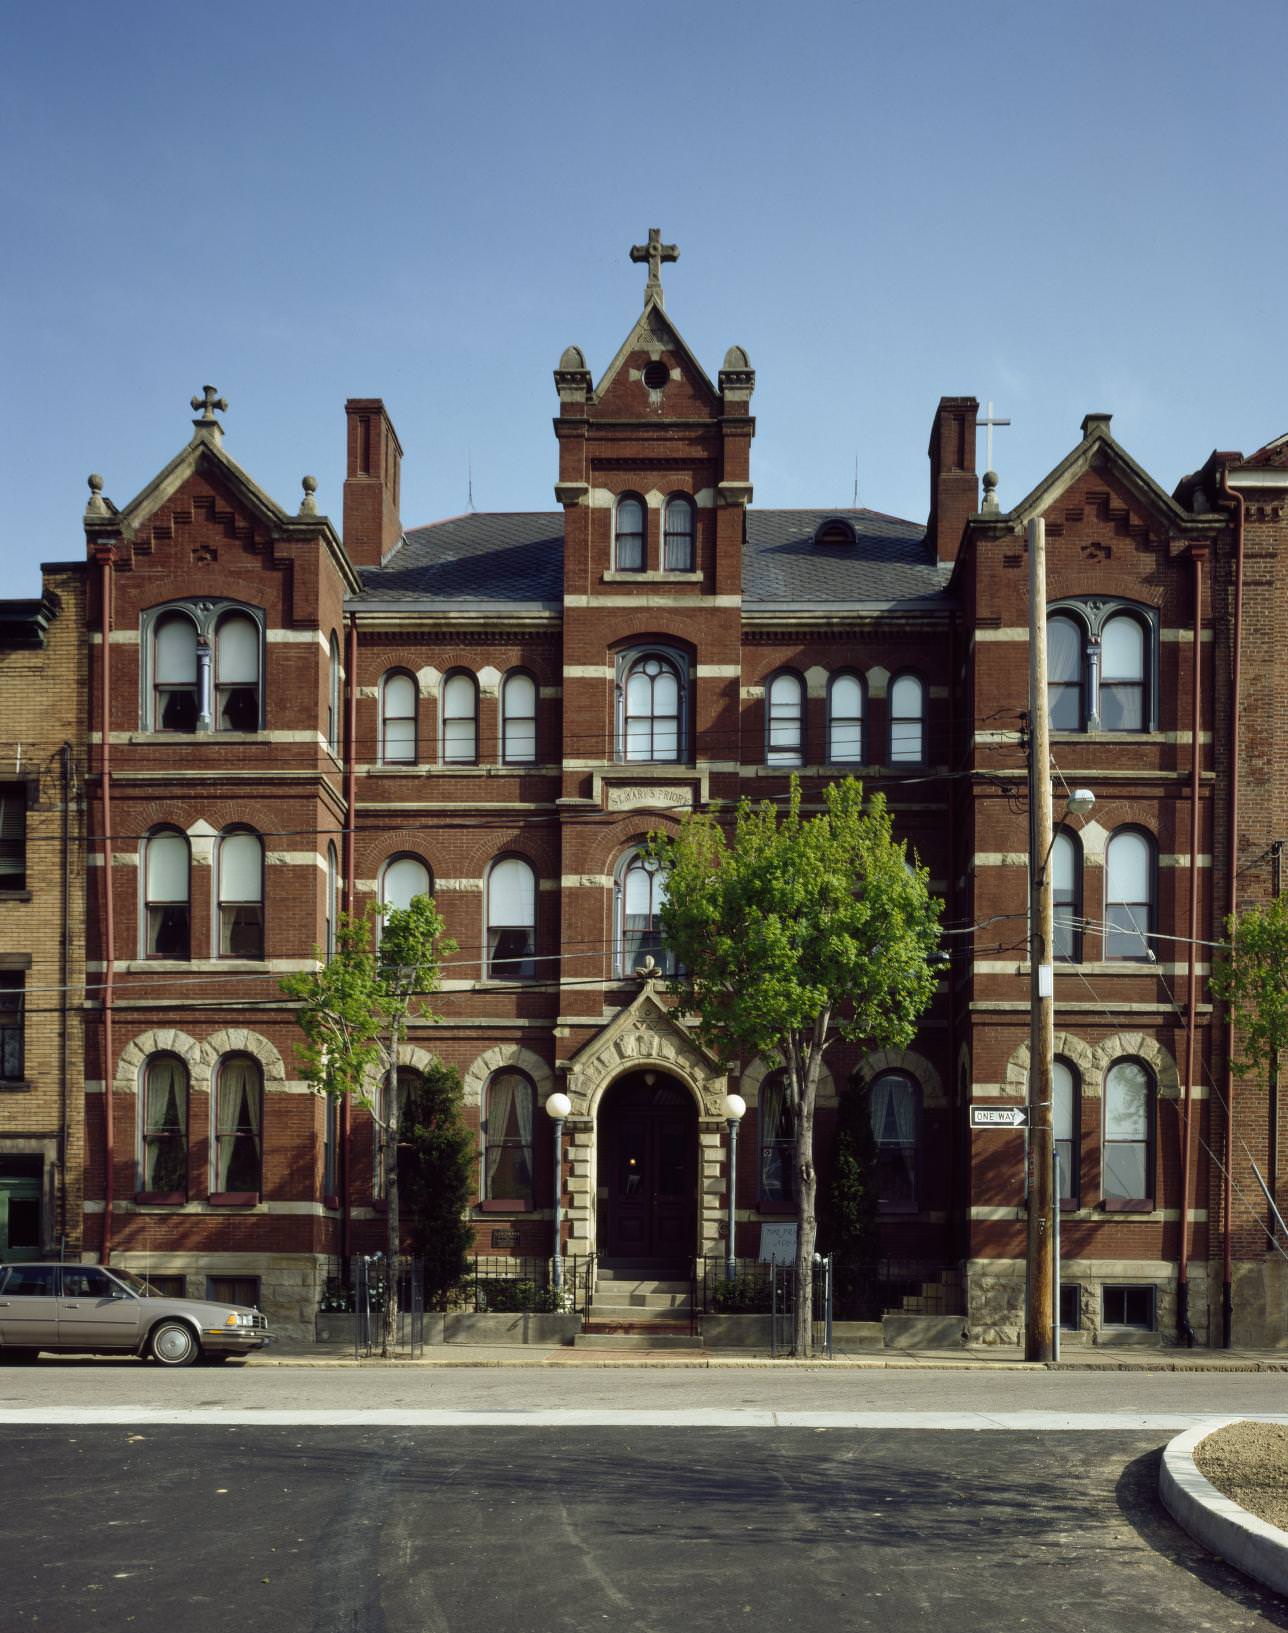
(42, 918)
(500, 707)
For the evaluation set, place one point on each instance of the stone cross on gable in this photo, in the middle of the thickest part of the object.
(208, 402)
(989, 422)
(654, 252)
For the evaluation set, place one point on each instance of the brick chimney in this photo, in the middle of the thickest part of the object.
(954, 487)
(371, 487)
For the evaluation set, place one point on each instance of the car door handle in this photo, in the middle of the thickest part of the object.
(71, 1306)
(4, 1304)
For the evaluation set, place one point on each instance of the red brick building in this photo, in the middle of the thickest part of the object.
(500, 707)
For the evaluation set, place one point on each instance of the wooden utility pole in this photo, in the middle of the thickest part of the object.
(1039, 1325)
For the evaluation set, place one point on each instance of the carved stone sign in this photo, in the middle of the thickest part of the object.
(505, 1238)
(627, 796)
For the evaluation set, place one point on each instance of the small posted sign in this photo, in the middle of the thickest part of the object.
(1005, 1117)
(778, 1244)
(505, 1238)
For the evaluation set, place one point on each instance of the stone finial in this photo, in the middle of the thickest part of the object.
(736, 358)
(648, 970)
(97, 505)
(1096, 425)
(572, 377)
(990, 492)
(737, 377)
(573, 358)
(208, 402)
(655, 252)
(309, 504)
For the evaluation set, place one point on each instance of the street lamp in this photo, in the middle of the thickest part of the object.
(558, 1105)
(735, 1108)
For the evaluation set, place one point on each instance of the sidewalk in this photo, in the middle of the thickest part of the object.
(999, 1358)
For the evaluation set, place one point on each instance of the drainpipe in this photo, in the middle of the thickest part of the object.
(1227, 1256)
(109, 940)
(350, 806)
(1272, 1223)
(64, 981)
(1184, 1331)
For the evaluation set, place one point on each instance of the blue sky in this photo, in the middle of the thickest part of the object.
(1060, 208)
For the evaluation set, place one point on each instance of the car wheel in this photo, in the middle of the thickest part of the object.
(174, 1344)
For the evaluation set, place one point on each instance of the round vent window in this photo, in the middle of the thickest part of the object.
(656, 376)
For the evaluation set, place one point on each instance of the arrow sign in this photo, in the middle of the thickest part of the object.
(999, 1117)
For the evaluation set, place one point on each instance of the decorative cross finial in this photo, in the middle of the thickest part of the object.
(989, 422)
(208, 402)
(654, 252)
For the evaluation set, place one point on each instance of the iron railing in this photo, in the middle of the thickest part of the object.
(756, 1287)
(501, 1284)
(375, 1325)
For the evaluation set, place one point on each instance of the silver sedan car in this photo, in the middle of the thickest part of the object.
(85, 1308)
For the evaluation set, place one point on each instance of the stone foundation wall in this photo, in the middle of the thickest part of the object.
(290, 1286)
(995, 1301)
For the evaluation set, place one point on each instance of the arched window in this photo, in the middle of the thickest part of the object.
(398, 698)
(460, 720)
(907, 721)
(519, 719)
(236, 673)
(629, 535)
(845, 720)
(167, 928)
(777, 1120)
(1066, 890)
(240, 861)
(785, 720)
(333, 696)
(332, 905)
(677, 546)
(1122, 674)
(163, 1126)
(652, 708)
(1129, 895)
(895, 1106)
(641, 893)
(1065, 673)
(1064, 1122)
(174, 674)
(403, 878)
(511, 920)
(1127, 1176)
(239, 1107)
(509, 1102)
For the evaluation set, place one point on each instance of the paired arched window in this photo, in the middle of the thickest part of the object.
(509, 1104)
(653, 704)
(237, 673)
(895, 1108)
(333, 695)
(907, 720)
(460, 736)
(641, 894)
(401, 879)
(239, 860)
(777, 1120)
(519, 719)
(1066, 891)
(1065, 1120)
(845, 720)
(237, 1147)
(174, 673)
(785, 720)
(677, 535)
(1127, 1163)
(511, 920)
(1100, 662)
(163, 1129)
(167, 914)
(629, 538)
(1129, 894)
(398, 699)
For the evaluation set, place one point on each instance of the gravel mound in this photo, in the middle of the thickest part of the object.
(1248, 1462)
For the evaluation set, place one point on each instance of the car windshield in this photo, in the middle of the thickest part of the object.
(136, 1284)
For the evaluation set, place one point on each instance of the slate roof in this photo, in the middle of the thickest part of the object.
(515, 560)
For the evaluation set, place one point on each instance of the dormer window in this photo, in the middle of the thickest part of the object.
(834, 534)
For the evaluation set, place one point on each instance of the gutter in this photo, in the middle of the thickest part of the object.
(105, 563)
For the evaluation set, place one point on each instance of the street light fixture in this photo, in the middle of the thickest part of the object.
(735, 1108)
(558, 1105)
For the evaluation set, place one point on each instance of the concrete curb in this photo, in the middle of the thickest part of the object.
(1256, 1547)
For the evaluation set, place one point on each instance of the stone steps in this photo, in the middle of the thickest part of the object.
(618, 1339)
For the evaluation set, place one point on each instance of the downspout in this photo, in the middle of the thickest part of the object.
(109, 940)
(1272, 1223)
(64, 981)
(1184, 1331)
(1227, 1252)
(350, 804)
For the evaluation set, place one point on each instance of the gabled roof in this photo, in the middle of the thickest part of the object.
(1273, 457)
(652, 329)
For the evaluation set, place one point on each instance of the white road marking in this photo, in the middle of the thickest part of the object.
(750, 1417)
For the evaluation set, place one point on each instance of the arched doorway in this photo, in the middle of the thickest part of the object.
(648, 1170)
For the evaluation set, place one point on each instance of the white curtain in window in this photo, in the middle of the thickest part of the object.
(176, 652)
(165, 1122)
(167, 868)
(1127, 1102)
(1122, 650)
(404, 878)
(510, 1103)
(333, 695)
(511, 893)
(786, 720)
(845, 726)
(906, 719)
(1128, 868)
(400, 719)
(459, 723)
(237, 1126)
(1062, 1101)
(519, 719)
(237, 652)
(894, 1120)
(241, 862)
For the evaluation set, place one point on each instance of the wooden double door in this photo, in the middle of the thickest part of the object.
(648, 1143)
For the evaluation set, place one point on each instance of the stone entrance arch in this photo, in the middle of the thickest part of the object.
(643, 1037)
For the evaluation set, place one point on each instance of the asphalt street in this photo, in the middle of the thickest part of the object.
(327, 1523)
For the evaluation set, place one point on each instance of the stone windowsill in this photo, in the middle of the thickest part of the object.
(15, 1085)
(19, 895)
(505, 1205)
(616, 575)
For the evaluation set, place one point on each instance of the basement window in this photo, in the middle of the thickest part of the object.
(1129, 1307)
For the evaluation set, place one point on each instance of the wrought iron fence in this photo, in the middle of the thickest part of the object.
(375, 1325)
(758, 1288)
(503, 1284)
(866, 1292)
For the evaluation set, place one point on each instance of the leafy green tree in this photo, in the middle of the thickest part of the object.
(1253, 980)
(436, 1159)
(353, 1011)
(850, 1227)
(793, 931)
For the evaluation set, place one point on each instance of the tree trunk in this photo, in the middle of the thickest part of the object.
(805, 1065)
(392, 1229)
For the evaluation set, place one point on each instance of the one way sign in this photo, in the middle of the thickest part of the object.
(998, 1117)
